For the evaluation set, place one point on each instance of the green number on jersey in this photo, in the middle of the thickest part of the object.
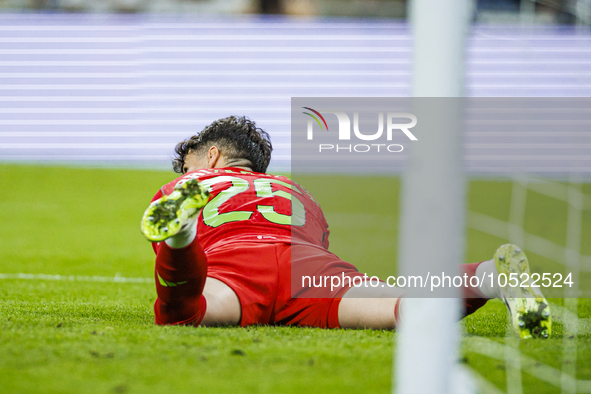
(213, 218)
(211, 213)
(264, 189)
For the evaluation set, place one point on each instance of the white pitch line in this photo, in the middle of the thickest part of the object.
(77, 278)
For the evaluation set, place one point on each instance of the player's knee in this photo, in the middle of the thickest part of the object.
(223, 305)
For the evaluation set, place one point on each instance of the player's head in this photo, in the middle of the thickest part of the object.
(235, 139)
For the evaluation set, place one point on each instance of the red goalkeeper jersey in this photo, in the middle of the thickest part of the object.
(254, 207)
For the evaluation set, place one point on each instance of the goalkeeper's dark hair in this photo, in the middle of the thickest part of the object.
(237, 138)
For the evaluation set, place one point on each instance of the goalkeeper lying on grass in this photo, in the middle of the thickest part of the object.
(225, 232)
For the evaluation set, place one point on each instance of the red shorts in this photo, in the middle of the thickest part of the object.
(260, 275)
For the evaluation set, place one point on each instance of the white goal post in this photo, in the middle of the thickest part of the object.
(433, 204)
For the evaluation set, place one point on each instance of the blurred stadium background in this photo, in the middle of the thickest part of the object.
(80, 84)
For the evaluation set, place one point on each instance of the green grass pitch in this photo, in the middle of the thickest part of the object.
(85, 336)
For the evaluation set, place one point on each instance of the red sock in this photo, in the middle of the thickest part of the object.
(473, 299)
(180, 277)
